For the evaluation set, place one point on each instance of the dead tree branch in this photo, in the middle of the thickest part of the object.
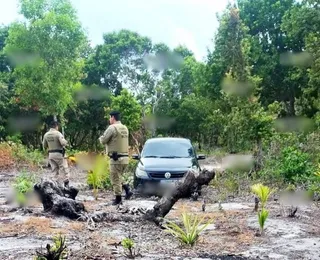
(61, 200)
(186, 186)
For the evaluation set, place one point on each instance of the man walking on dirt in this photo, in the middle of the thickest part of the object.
(116, 140)
(54, 141)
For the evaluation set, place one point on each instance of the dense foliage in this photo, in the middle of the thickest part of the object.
(264, 66)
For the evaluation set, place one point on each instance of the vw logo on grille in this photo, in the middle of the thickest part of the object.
(167, 175)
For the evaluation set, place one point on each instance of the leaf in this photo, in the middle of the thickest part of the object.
(262, 217)
(191, 230)
(263, 192)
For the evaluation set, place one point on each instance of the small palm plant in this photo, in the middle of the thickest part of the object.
(56, 252)
(193, 226)
(263, 193)
(128, 244)
(262, 217)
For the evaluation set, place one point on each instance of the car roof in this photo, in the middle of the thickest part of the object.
(168, 139)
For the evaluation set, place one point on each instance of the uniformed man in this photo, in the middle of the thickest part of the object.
(116, 140)
(55, 142)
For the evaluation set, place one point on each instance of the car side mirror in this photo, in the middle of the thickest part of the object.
(135, 156)
(201, 157)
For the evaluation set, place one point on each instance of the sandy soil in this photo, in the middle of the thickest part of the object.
(233, 234)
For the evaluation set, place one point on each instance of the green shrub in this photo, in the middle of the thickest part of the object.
(128, 178)
(99, 176)
(132, 165)
(73, 152)
(288, 158)
(294, 164)
(14, 138)
(129, 172)
(106, 180)
(23, 184)
(310, 183)
(23, 155)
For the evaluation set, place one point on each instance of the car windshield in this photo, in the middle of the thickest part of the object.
(172, 149)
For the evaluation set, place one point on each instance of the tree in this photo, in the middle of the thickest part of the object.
(268, 42)
(5, 84)
(183, 51)
(244, 121)
(178, 85)
(129, 108)
(5, 68)
(160, 85)
(187, 76)
(4, 64)
(191, 116)
(118, 61)
(46, 53)
(302, 24)
(89, 111)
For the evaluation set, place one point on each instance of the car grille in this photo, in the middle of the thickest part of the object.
(160, 175)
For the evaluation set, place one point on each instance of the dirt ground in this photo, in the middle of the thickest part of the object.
(233, 234)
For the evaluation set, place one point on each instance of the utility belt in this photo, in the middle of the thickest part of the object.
(115, 155)
(62, 151)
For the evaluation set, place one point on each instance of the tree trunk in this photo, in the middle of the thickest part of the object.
(62, 122)
(192, 182)
(136, 144)
(58, 199)
(258, 163)
(61, 200)
(292, 109)
(42, 133)
(94, 139)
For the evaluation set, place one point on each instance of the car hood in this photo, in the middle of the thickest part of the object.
(164, 164)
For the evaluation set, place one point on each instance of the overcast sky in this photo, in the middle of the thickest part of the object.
(189, 22)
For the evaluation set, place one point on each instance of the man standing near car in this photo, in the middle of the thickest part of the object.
(55, 142)
(116, 140)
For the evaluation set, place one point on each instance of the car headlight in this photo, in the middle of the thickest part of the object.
(141, 173)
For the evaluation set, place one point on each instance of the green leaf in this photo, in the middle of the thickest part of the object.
(191, 231)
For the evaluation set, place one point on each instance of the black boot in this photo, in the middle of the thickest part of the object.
(66, 183)
(127, 190)
(117, 200)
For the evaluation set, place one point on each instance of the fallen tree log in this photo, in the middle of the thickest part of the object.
(58, 199)
(192, 182)
(112, 217)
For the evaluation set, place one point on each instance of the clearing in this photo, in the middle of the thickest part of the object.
(233, 234)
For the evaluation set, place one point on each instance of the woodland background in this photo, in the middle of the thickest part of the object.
(256, 92)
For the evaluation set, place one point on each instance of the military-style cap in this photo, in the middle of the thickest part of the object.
(114, 113)
(54, 123)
